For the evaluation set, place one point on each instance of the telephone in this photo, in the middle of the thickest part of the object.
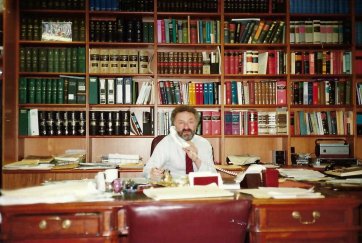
(180, 141)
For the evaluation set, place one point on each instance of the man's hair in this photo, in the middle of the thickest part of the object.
(183, 108)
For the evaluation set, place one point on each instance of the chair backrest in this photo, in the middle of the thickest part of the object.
(155, 141)
(188, 222)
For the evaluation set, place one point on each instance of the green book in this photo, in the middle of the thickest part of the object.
(75, 29)
(93, 90)
(81, 60)
(62, 60)
(56, 60)
(22, 59)
(44, 82)
(31, 90)
(43, 62)
(74, 60)
(23, 122)
(82, 30)
(48, 96)
(72, 91)
(150, 32)
(38, 94)
(36, 29)
(54, 91)
(50, 60)
(28, 59)
(81, 91)
(23, 90)
(60, 90)
(68, 64)
(145, 29)
(34, 59)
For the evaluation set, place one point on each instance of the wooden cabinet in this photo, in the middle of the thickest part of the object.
(96, 222)
(323, 220)
(17, 146)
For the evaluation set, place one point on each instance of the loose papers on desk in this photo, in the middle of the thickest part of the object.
(56, 192)
(120, 159)
(301, 174)
(282, 192)
(186, 192)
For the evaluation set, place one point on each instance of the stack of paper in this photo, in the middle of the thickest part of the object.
(120, 159)
(282, 192)
(187, 192)
(301, 174)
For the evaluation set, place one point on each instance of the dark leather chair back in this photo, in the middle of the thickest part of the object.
(155, 141)
(188, 222)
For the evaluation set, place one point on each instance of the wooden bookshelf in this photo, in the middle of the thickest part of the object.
(16, 147)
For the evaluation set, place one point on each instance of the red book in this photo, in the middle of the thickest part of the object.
(315, 93)
(228, 92)
(358, 62)
(281, 92)
(215, 123)
(232, 62)
(197, 93)
(227, 62)
(252, 123)
(291, 124)
(251, 92)
(311, 63)
(271, 62)
(206, 123)
(193, 31)
(163, 34)
(201, 93)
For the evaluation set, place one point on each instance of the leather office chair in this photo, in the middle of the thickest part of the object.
(188, 222)
(155, 141)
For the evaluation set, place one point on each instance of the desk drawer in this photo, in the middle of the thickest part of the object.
(48, 225)
(303, 216)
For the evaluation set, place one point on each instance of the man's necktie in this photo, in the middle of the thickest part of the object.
(189, 166)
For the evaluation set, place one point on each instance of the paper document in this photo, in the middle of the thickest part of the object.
(282, 192)
(301, 174)
(187, 192)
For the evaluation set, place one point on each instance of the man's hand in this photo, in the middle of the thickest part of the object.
(156, 174)
(192, 152)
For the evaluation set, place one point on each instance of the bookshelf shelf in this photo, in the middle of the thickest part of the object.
(223, 144)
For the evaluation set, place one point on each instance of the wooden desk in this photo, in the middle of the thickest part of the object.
(336, 218)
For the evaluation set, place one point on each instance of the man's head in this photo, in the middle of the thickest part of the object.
(185, 119)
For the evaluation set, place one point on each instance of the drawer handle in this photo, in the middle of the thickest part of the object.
(43, 224)
(66, 224)
(296, 215)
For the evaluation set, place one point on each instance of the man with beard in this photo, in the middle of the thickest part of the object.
(170, 155)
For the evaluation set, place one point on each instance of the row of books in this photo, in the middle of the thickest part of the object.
(359, 93)
(329, 122)
(252, 122)
(321, 62)
(319, 7)
(123, 122)
(254, 62)
(121, 30)
(63, 59)
(54, 4)
(189, 93)
(124, 5)
(246, 6)
(359, 32)
(254, 31)
(120, 90)
(62, 90)
(31, 27)
(119, 61)
(34, 122)
(210, 6)
(320, 31)
(188, 31)
(188, 62)
(265, 92)
(322, 92)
